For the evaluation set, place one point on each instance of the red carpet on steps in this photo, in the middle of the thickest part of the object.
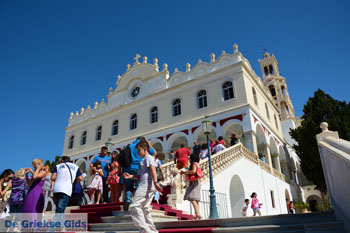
(197, 229)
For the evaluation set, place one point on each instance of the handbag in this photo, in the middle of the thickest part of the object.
(198, 175)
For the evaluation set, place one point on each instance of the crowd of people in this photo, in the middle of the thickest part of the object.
(28, 190)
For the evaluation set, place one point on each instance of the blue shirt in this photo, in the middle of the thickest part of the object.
(103, 160)
(197, 149)
(136, 159)
(77, 187)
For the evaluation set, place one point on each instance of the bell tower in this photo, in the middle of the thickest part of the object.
(277, 86)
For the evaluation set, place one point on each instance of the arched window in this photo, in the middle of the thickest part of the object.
(272, 90)
(202, 99)
(154, 115)
(83, 138)
(115, 127)
(71, 142)
(283, 91)
(99, 133)
(228, 90)
(133, 121)
(276, 121)
(177, 107)
(254, 96)
(266, 71)
(271, 69)
(267, 111)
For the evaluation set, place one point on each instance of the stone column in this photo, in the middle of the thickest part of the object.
(250, 141)
(219, 129)
(268, 154)
(277, 161)
(285, 168)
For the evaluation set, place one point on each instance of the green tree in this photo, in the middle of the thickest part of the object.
(319, 108)
(53, 163)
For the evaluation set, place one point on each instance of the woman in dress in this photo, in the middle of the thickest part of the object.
(34, 201)
(193, 192)
(96, 183)
(114, 177)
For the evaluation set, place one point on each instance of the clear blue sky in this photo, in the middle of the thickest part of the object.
(59, 56)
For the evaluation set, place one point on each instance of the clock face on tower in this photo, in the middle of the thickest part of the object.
(135, 91)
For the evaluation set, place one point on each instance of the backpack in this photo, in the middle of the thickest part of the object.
(18, 192)
(124, 157)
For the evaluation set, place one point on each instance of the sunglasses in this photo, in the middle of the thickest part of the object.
(10, 177)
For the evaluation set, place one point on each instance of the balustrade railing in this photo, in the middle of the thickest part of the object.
(224, 159)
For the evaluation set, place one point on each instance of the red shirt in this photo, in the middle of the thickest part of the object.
(182, 155)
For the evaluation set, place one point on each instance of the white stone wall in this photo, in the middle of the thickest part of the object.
(208, 77)
(253, 179)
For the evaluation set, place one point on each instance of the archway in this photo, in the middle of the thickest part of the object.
(81, 163)
(274, 153)
(202, 138)
(287, 197)
(237, 196)
(230, 128)
(176, 143)
(261, 143)
(159, 148)
(284, 163)
(314, 201)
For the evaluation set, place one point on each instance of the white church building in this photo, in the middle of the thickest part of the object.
(168, 110)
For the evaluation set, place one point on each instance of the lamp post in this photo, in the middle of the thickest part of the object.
(206, 124)
(109, 145)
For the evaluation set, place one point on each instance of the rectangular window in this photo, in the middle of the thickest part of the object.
(177, 110)
(133, 124)
(272, 199)
(154, 117)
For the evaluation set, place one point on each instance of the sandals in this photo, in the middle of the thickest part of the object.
(198, 217)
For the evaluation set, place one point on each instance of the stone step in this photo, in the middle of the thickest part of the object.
(277, 223)
(334, 227)
(263, 228)
(127, 226)
(128, 218)
(122, 213)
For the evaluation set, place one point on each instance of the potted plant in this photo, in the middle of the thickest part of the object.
(301, 207)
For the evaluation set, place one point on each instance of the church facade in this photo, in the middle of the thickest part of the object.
(168, 110)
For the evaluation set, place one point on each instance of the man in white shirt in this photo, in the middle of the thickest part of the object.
(63, 177)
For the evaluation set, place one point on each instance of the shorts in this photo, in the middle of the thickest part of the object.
(181, 165)
(255, 210)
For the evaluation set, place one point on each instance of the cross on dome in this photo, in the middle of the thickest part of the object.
(136, 58)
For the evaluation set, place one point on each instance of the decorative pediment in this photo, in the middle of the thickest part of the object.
(142, 72)
(176, 79)
(200, 69)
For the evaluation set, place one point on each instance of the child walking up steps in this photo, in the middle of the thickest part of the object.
(96, 183)
(139, 208)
